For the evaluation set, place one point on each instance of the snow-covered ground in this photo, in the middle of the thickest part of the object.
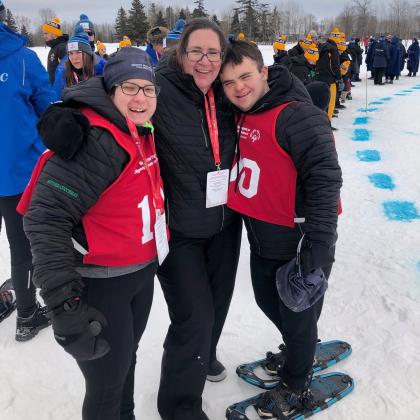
(373, 300)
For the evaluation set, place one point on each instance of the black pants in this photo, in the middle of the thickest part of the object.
(20, 256)
(125, 301)
(379, 74)
(299, 329)
(197, 279)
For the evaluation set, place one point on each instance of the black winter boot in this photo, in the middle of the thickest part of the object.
(27, 328)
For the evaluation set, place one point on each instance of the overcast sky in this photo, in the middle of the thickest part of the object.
(102, 11)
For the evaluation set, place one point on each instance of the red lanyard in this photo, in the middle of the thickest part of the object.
(156, 193)
(212, 124)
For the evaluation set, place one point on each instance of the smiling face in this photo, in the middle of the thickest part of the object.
(203, 71)
(76, 59)
(244, 84)
(138, 108)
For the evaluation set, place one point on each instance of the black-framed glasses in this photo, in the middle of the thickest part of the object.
(198, 55)
(132, 89)
(90, 33)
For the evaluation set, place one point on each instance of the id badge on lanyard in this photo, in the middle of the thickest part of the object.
(161, 234)
(217, 181)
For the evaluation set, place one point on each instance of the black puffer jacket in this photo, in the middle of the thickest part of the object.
(54, 216)
(328, 64)
(57, 52)
(185, 152)
(304, 132)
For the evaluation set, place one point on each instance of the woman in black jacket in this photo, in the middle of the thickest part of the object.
(92, 222)
(195, 138)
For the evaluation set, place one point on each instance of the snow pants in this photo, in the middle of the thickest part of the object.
(299, 329)
(20, 256)
(379, 74)
(125, 301)
(197, 279)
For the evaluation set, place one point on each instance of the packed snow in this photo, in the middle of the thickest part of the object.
(373, 301)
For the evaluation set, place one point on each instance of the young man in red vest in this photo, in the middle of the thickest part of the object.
(286, 186)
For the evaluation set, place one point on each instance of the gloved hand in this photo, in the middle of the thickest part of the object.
(76, 325)
(77, 328)
(340, 85)
(315, 255)
(63, 130)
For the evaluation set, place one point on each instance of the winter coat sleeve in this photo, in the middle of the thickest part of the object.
(305, 133)
(60, 81)
(65, 191)
(37, 76)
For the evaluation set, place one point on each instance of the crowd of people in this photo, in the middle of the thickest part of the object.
(155, 160)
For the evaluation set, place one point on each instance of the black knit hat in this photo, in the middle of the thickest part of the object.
(2, 12)
(128, 63)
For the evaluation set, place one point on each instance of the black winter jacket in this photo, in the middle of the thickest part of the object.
(54, 216)
(296, 50)
(328, 64)
(301, 68)
(57, 52)
(185, 152)
(304, 132)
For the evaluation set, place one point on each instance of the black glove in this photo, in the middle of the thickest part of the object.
(315, 255)
(63, 130)
(77, 327)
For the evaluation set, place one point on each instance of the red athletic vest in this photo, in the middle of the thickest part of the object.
(120, 226)
(266, 187)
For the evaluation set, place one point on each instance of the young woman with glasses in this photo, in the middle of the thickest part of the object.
(94, 223)
(195, 139)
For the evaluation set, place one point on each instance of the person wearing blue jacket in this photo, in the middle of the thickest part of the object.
(25, 93)
(79, 65)
(380, 60)
(413, 58)
(369, 56)
(394, 63)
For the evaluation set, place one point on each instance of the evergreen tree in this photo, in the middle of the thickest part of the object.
(200, 10)
(160, 20)
(235, 26)
(215, 20)
(182, 14)
(121, 23)
(250, 22)
(137, 22)
(10, 21)
(25, 32)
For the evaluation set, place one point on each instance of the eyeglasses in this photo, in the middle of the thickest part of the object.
(131, 89)
(197, 55)
(90, 33)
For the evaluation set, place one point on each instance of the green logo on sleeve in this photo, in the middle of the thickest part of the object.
(63, 188)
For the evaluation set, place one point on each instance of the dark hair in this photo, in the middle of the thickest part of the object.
(192, 26)
(238, 50)
(87, 69)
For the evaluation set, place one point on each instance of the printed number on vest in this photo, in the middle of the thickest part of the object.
(254, 177)
(145, 216)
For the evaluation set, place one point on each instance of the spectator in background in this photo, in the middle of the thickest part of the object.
(413, 58)
(174, 35)
(393, 68)
(25, 92)
(101, 50)
(155, 43)
(86, 26)
(57, 41)
(79, 66)
(380, 60)
(280, 53)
